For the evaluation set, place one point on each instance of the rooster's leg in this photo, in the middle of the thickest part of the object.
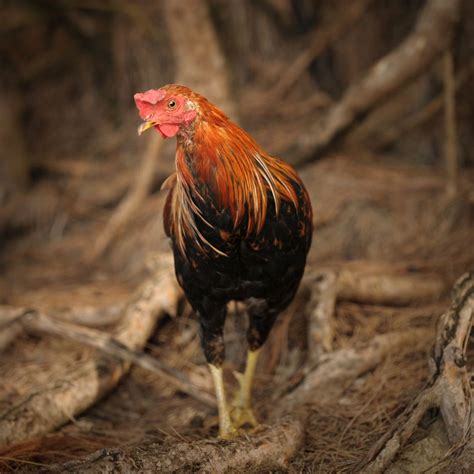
(242, 413)
(261, 319)
(212, 317)
(226, 429)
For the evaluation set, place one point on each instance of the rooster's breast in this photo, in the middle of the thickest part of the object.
(267, 264)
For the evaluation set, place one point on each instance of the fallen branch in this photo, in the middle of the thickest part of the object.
(430, 37)
(269, 450)
(51, 405)
(449, 388)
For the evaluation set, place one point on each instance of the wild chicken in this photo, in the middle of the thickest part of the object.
(240, 224)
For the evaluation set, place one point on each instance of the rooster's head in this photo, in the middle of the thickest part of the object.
(169, 109)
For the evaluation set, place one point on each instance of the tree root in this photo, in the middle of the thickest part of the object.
(324, 287)
(38, 322)
(270, 449)
(368, 286)
(337, 370)
(377, 139)
(48, 407)
(325, 378)
(430, 37)
(374, 287)
(449, 388)
(320, 39)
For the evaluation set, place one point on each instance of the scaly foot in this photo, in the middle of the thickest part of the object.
(241, 411)
(242, 416)
(228, 431)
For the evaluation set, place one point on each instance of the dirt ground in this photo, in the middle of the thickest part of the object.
(367, 215)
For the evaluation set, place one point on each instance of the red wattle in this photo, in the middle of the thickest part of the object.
(168, 130)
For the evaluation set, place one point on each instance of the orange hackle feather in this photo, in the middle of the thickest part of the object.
(232, 165)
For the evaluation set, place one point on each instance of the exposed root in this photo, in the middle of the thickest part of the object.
(337, 370)
(449, 389)
(423, 46)
(38, 322)
(323, 301)
(388, 289)
(270, 449)
(60, 399)
(321, 39)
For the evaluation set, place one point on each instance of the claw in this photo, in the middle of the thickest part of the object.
(228, 431)
(242, 415)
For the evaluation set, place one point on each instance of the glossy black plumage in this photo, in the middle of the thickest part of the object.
(263, 269)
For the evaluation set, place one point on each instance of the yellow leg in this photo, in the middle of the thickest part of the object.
(242, 413)
(226, 429)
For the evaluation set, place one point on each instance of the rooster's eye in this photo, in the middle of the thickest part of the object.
(171, 104)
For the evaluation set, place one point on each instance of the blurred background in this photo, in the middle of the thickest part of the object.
(372, 100)
(69, 69)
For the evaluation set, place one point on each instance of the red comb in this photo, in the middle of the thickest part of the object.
(152, 96)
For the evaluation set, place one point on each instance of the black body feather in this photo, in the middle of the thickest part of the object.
(263, 269)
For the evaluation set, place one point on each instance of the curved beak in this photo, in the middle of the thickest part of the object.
(146, 126)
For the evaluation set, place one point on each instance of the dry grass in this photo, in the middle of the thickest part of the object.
(339, 432)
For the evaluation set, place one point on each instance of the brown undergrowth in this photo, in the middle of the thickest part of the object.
(405, 226)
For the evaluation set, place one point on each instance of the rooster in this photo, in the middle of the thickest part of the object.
(240, 224)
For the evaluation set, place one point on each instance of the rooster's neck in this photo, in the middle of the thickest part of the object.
(225, 165)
